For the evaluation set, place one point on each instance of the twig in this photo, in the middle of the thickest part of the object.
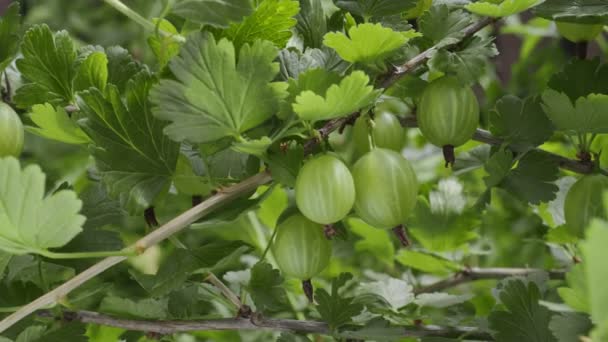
(487, 138)
(233, 298)
(413, 63)
(389, 80)
(175, 225)
(257, 322)
(476, 273)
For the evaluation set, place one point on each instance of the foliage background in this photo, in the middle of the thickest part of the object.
(511, 233)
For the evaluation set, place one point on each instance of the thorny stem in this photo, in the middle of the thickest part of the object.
(170, 228)
(477, 273)
(233, 298)
(259, 322)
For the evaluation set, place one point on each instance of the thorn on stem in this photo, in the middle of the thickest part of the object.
(448, 155)
(196, 200)
(244, 312)
(308, 290)
(401, 234)
(150, 217)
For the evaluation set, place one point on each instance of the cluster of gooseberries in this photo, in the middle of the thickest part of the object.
(380, 187)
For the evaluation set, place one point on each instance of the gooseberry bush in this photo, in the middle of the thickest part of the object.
(303, 170)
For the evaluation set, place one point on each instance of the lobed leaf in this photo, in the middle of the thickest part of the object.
(9, 37)
(272, 21)
(135, 158)
(503, 9)
(351, 94)
(367, 43)
(214, 96)
(55, 124)
(31, 222)
(218, 13)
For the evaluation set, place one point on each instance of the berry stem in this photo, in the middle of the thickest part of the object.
(329, 231)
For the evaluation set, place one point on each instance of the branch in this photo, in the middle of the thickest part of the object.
(208, 206)
(476, 273)
(487, 138)
(175, 225)
(413, 63)
(257, 322)
(389, 80)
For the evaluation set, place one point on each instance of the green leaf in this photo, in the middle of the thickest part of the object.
(335, 309)
(579, 11)
(182, 263)
(9, 37)
(93, 72)
(594, 251)
(533, 178)
(31, 333)
(580, 78)
(51, 222)
(266, 288)
(570, 326)
(502, 9)
(5, 258)
(27, 269)
(441, 224)
(99, 209)
(144, 308)
(312, 24)
(375, 8)
(367, 43)
(353, 93)
(218, 13)
(164, 47)
(48, 63)
(289, 337)
(468, 64)
(73, 332)
(272, 20)
(586, 115)
(373, 240)
(55, 124)
(443, 26)
(189, 183)
(284, 165)
(425, 262)
(521, 123)
(498, 167)
(576, 295)
(135, 158)
(396, 292)
(214, 96)
(523, 319)
(122, 68)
